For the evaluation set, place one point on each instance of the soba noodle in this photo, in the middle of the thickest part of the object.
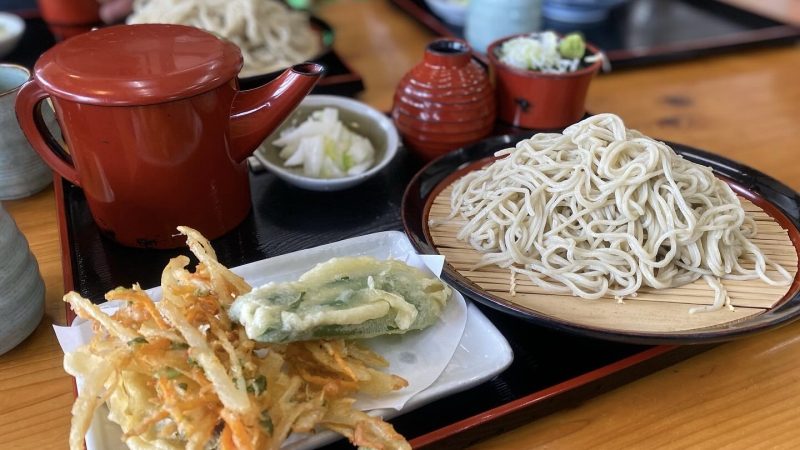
(270, 35)
(602, 210)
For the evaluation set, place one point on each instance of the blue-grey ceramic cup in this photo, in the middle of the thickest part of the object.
(490, 20)
(22, 172)
(21, 286)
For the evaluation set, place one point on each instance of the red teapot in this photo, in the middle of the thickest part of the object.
(157, 131)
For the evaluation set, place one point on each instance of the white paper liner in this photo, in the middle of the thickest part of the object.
(419, 357)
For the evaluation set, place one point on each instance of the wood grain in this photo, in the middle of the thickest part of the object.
(743, 394)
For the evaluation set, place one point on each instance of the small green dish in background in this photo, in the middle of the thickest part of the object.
(368, 121)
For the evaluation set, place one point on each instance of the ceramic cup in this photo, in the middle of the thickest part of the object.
(489, 20)
(21, 286)
(22, 171)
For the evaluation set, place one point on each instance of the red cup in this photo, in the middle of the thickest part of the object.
(67, 18)
(532, 99)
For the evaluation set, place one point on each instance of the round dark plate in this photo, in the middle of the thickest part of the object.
(326, 36)
(776, 199)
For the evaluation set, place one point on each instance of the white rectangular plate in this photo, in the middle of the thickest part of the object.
(481, 353)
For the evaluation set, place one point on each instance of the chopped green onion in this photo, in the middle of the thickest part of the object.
(258, 385)
(544, 52)
(178, 345)
(266, 422)
(137, 340)
(171, 373)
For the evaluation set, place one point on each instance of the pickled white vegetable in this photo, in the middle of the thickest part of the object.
(325, 147)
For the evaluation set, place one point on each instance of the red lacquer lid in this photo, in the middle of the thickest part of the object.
(137, 65)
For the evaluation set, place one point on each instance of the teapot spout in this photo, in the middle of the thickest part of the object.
(256, 113)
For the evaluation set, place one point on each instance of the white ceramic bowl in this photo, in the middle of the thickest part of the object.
(11, 29)
(451, 11)
(372, 124)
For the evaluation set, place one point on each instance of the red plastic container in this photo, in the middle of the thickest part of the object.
(532, 99)
(445, 102)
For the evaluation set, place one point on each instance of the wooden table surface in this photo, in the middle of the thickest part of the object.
(743, 394)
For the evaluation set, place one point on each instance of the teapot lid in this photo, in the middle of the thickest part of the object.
(137, 65)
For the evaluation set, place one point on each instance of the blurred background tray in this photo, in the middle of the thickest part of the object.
(641, 32)
(340, 78)
(551, 370)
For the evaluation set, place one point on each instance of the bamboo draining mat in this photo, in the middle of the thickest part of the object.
(651, 311)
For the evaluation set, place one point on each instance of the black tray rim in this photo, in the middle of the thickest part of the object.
(778, 33)
(746, 181)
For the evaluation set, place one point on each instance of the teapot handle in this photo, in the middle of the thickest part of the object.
(29, 116)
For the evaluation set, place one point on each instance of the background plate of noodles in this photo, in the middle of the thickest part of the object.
(271, 35)
(651, 316)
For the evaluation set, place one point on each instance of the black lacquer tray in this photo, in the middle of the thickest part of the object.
(641, 32)
(542, 378)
